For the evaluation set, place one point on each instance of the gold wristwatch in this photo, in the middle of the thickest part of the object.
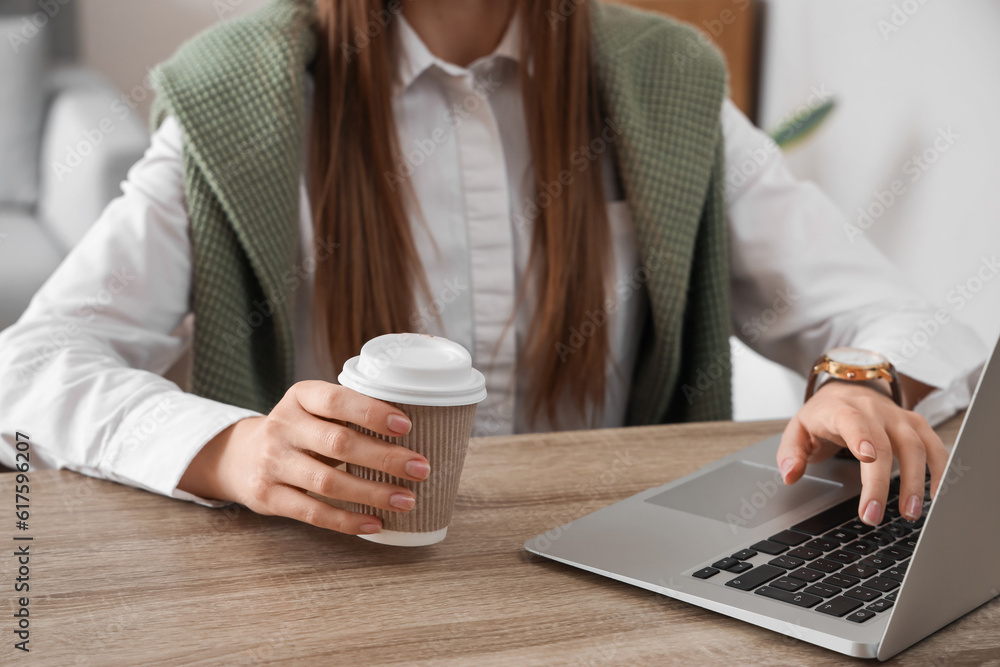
(855, 365)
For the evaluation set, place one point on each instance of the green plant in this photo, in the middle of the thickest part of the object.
(802, 125)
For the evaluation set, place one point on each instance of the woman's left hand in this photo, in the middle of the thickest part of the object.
(867, 422)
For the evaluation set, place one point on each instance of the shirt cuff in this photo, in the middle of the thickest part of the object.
(155, 444)
(941, 404)
(935, 349)
(954, 375)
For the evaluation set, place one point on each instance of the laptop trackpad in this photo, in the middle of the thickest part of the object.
(742, 494)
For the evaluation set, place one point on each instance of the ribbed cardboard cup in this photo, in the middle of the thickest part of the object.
(441, 434)
(432, 380)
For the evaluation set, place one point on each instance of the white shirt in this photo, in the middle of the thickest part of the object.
(81, 370)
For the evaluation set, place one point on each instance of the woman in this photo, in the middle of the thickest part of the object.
(544, 182)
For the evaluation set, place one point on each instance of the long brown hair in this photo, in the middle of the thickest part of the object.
(367, 288)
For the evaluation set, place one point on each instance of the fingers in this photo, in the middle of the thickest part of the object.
(912, 467)
(824, 449)
(873, 428)
(875, 476)
(937, 454)
(793, 452)
(845, 427)
(286, 454)
(344, 443)
(331, 401)
(310, 429)
(307, 473)
(286, 501)
(858, 426)
(849, 427)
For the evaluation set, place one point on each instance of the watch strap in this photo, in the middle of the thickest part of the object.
(887, 373)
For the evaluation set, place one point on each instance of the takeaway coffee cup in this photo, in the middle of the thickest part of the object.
(432, 380)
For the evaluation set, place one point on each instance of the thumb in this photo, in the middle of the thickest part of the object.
(793, 452)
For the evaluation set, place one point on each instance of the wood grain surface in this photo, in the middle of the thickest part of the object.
(120, 576)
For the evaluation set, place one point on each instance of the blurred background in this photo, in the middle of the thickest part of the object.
(909, 152)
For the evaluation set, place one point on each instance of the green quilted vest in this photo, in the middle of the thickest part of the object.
(238, 93)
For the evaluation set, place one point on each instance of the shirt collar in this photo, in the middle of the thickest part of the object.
(416, 58)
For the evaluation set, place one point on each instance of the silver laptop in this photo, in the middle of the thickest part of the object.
(733, 538)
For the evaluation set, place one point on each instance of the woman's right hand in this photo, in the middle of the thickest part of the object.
(268, 463)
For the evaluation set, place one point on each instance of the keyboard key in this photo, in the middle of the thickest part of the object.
(859, 527)
(881, 538)
(838, 606)
(842, 580)
(894, 485)
(860, 616)
(841, 535)
(863, 594)
(907, 544)
(788, 584)
(897, 530)
(706, 573)
(824, 565)
(893, 573)
(800, 599)
(881, 584)
(805, 553)
(753, 578)
(822, 543)
(725, 563)
(824, 590)
(891, 513)
(891, 597)
(805, 574)
(786, 562)
(741, 566)
(790, 537)
(859, 570)
(843, 557)
(913, 525)
(881, 562)
(830, 518)
(745, 554)
(768, 547)
(894, 552)
(880, 605)
(863, 547)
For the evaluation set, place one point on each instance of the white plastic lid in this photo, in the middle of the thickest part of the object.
(415, 369)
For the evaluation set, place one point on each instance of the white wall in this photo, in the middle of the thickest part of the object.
(903, 72)
(903, 81)
(124, 38)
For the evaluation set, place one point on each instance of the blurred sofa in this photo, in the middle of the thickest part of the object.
(67, 139)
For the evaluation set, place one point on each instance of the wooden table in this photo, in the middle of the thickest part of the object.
(125, 577)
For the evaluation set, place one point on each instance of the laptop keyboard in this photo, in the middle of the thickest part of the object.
(832, 562)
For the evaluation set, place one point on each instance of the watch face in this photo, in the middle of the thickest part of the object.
(852, 356)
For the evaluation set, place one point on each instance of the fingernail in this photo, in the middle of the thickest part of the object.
(873, 513)
(398, 424)
(867, 449)
(913, 507)
(417, 469)
(785, 467)
(402, 501)
(371, 528)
